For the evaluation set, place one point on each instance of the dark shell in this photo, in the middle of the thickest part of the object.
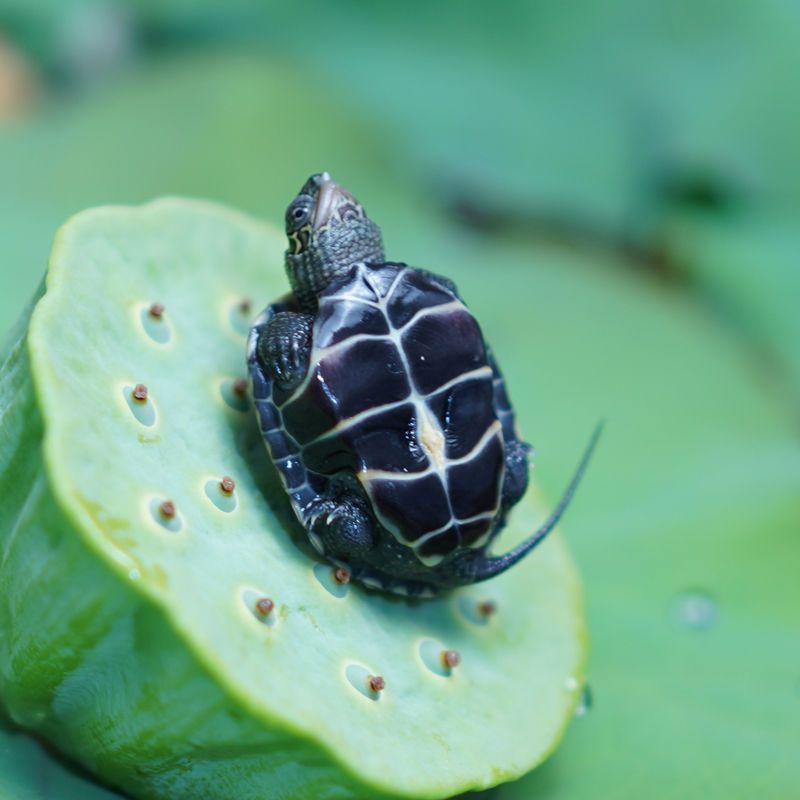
(400, 392)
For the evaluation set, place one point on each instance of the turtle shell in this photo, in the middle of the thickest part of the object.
(400, 392)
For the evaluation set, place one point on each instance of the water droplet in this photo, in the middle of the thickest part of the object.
(585, 703)
(694, 610)
(134, 574)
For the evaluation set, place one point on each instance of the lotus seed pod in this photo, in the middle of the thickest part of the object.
(160, 620)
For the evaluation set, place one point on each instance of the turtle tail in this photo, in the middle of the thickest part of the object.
(489, 566)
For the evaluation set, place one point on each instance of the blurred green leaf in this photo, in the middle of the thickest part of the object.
(750, 269)
(686, 528)
(578, 116)
(602, 121)
(695, 485)
(237, 128)
(583, 116)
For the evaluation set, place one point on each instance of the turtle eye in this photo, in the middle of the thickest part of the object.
(297, 215)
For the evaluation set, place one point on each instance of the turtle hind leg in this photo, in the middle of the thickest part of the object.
(515, 480)
(483, 567)
(284, 347)
(344, 526)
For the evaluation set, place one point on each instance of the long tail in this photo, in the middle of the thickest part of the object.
(494, 565)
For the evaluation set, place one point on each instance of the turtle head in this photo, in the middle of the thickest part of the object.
(328, 231)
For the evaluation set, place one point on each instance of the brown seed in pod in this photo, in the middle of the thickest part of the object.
(487, 608)
(264, 606)
(167, 509)
(139, 393)
(341, 575)
(451, 658)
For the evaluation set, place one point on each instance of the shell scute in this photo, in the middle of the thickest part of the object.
(366, 286)
(441, 544)
(472, 533)
(399, 393)
(378, 441)
(338, 321)
(441, 347)
(311, 413)
(474, 485)
(412, 293)
(363, 376)
(464, 412)
(412, 508)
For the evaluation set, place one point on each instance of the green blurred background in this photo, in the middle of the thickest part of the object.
(615, 186)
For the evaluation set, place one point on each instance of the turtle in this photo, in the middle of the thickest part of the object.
(384, 410)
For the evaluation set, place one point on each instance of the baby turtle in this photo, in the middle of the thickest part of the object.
(384, 410)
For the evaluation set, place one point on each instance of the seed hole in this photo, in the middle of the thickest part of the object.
(165, 514)
(155, 323)
(325, 574)
(240, 316)
(260, 606)
(140, 403)
(221, 492)
(234, 393)
(367, 683)
(478, 612)
(437, 658)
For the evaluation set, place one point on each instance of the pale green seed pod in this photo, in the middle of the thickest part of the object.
(161, 621)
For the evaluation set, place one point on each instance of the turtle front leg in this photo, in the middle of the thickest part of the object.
(284, 347)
